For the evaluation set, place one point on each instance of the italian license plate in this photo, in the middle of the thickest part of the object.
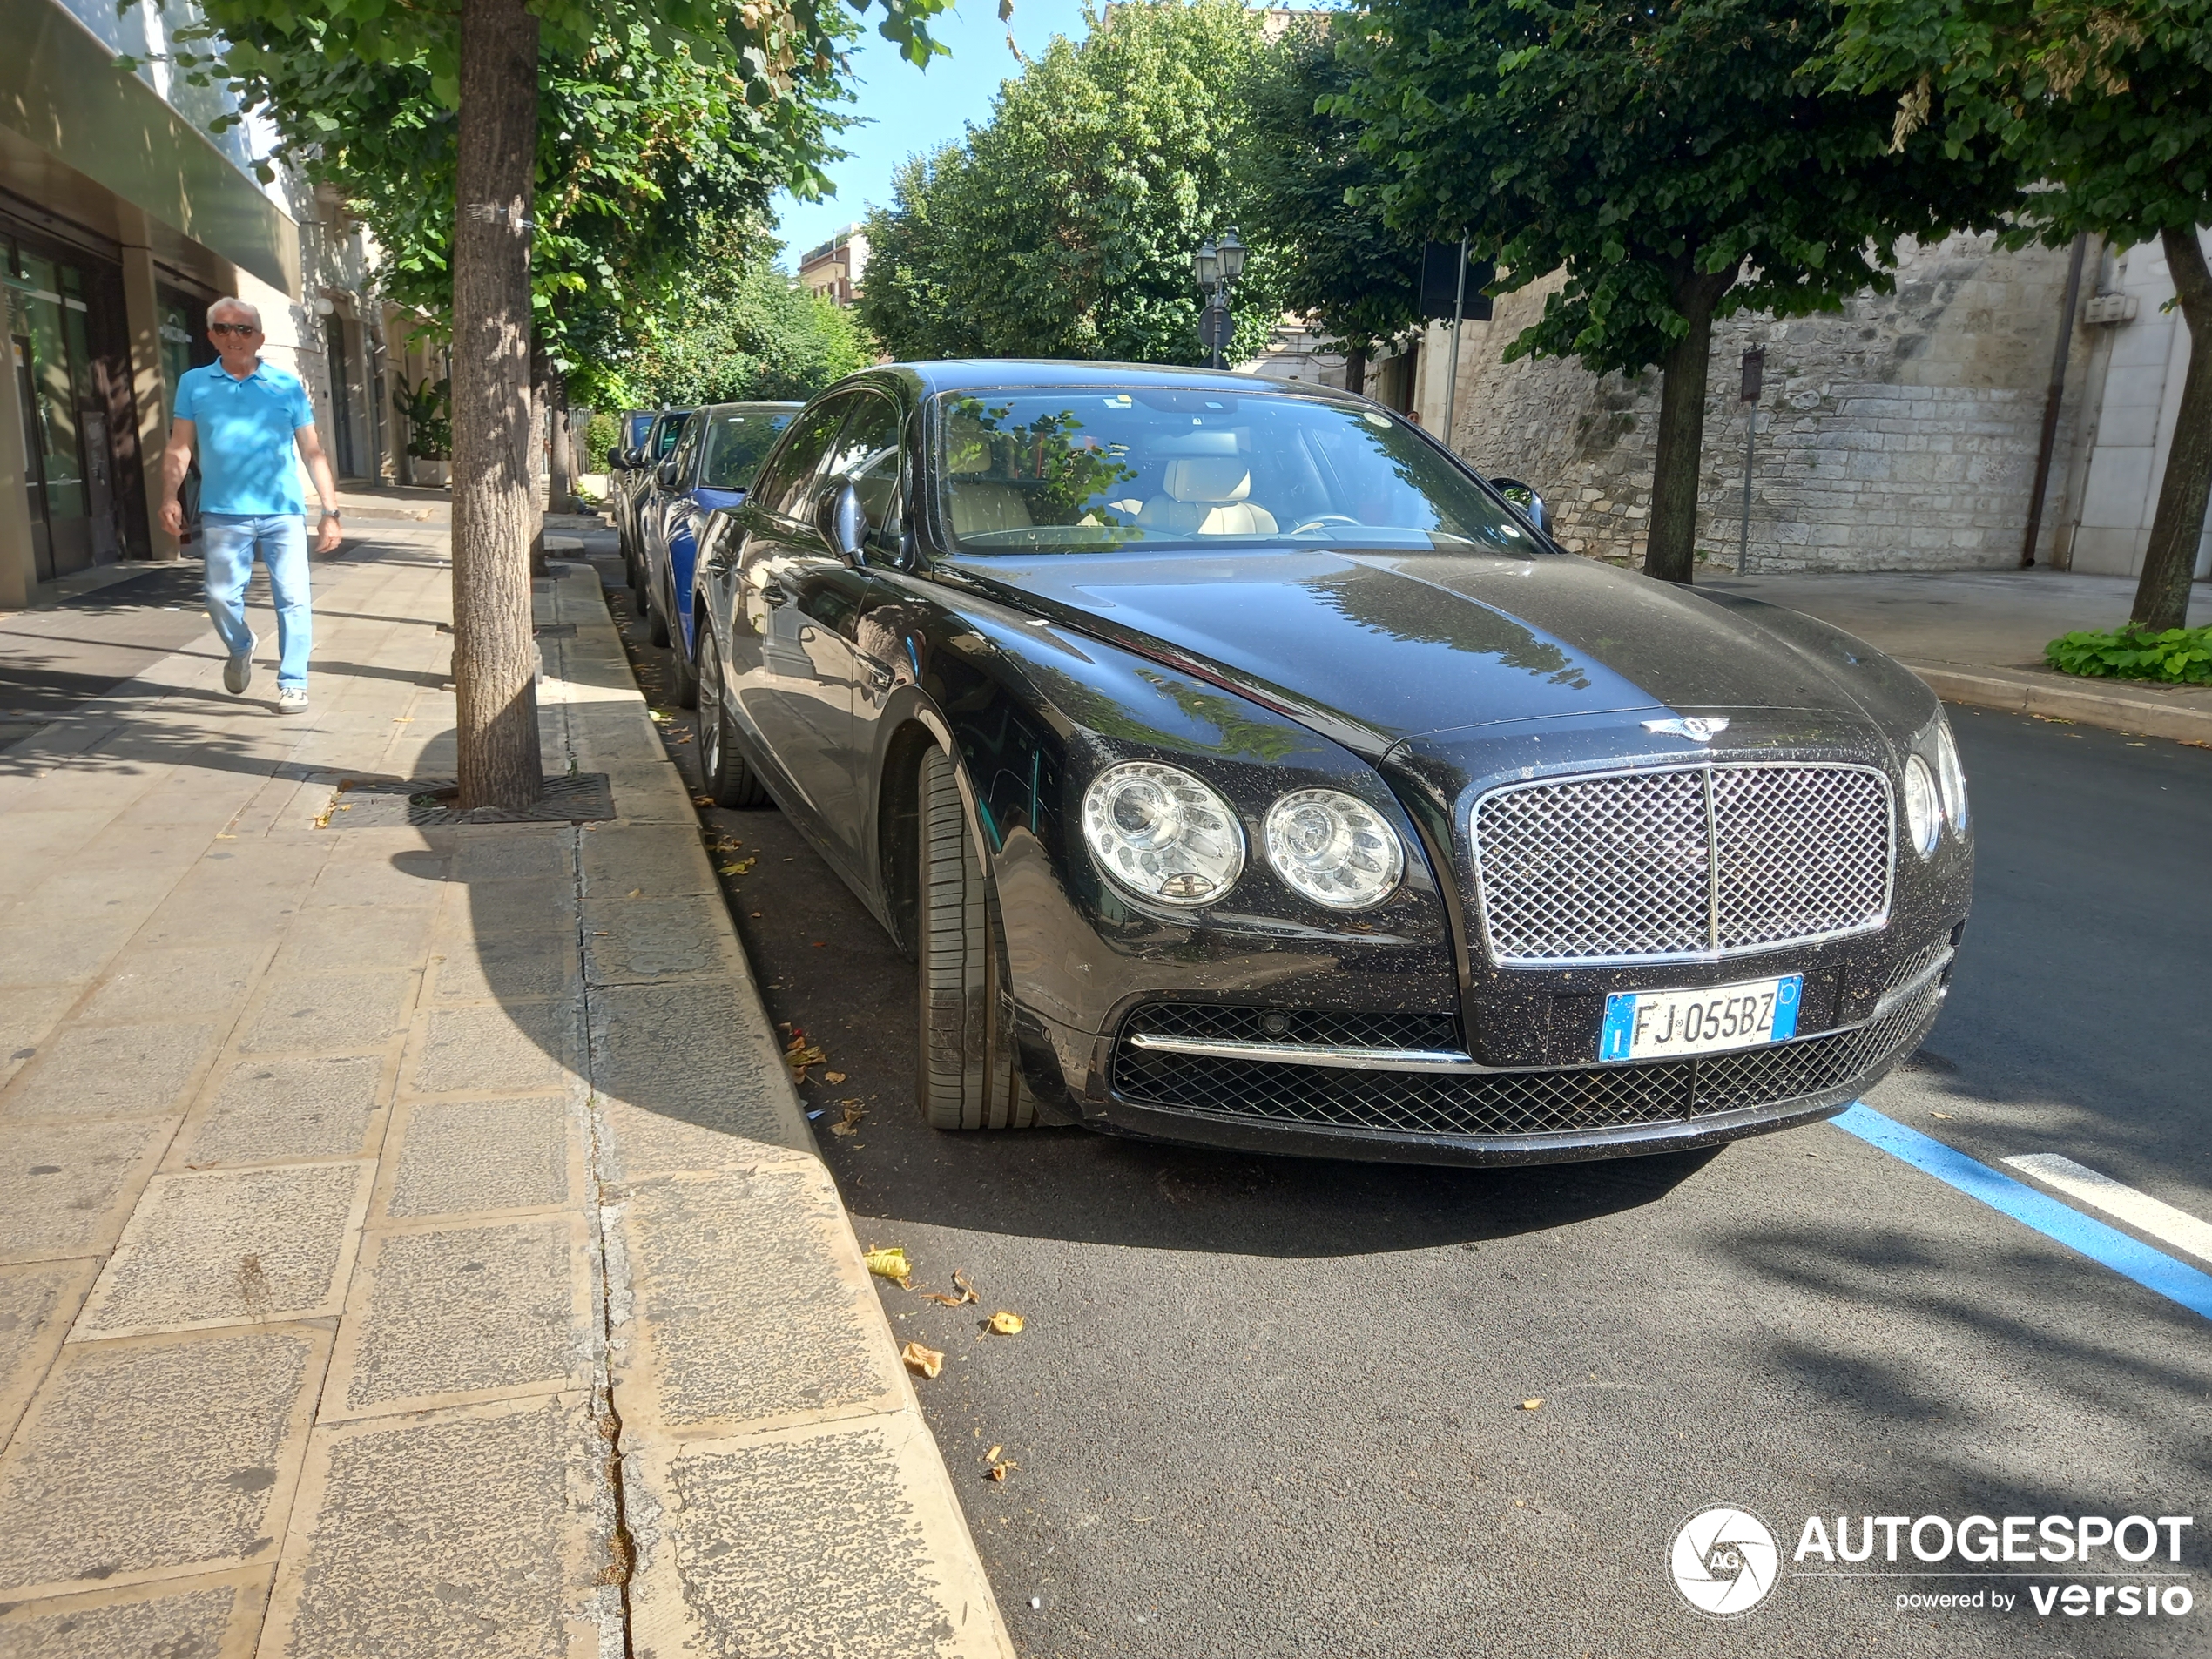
(1659, 1025)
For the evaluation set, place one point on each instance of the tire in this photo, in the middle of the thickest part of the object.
(649, 597)
(968, 1075)
(683, 676)
(727, 777)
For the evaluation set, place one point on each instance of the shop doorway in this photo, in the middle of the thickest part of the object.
(69, 471)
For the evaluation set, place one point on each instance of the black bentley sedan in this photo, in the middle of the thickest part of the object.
(1236, 767)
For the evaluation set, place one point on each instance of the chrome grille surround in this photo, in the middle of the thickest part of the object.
(1678, 863)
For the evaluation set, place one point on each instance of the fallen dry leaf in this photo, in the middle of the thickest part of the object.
(2052, 719)
(1937, 1114)
(966, 1293)
(850, 1122)
(637, 893)
(1007, 1324)
(992, 1456)
(923, 1362)
(2192, 743)
(997, 1471)
(891, 1263)
(738, 867)
(833, 1076)
(1532, 1405)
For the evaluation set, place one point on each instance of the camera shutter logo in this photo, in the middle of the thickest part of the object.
(1724, 1561)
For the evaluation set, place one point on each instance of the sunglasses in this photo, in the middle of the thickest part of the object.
(232, 328)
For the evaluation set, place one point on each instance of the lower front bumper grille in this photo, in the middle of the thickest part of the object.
(1578, 1099)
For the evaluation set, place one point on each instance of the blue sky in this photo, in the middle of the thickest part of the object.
(911, 110)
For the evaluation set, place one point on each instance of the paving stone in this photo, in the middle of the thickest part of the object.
(699, 1053)
(309, 1106)
(139, 1456)
(649, 863)
(331, 939)
(28, 1013)
(502, 1050)
(471, 1533)
(403, 879)
(40, 954)
(37, 1301)
(110, 1071)
(634, 941)
(519, 968)
(796, 1334)
(164, 984)
(210, 1617)
(810, 1544)
(457, 1157)
(512, 853)
(65, 1188)
(323, 1011)
(439, 1318)
(227, 1246)
(540, 909)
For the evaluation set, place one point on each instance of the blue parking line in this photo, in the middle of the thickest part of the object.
(2151, 1268)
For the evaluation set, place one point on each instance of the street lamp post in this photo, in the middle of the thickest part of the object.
(1216, 266)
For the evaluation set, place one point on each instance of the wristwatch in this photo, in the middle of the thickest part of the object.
(330, 512)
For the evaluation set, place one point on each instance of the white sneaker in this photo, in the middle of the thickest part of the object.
(238, 673)
(292, 699)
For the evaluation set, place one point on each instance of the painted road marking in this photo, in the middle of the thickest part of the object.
(2129, 1257)
(2139, 1209)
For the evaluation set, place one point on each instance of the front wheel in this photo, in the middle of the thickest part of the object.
(968, 1078)
(727, 778)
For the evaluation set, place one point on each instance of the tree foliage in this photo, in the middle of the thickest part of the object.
(1676, 162)
(1064, 226)
(2108, 107)
(1316, 193)
(737, 328)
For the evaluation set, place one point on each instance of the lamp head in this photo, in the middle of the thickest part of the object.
(1232, 254)
(1206, 263)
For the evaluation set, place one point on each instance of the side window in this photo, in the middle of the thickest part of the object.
(786, 482)
(671, 429)
(867, 457)
(686, 449)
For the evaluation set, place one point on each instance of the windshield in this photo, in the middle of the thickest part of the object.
(736, 440)
(1074, 471)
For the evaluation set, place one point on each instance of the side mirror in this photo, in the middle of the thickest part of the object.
(666, 474)
(1525, 498)
(844, 524)
(614, 459)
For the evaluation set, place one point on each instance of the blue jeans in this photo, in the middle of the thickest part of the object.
(232, 540)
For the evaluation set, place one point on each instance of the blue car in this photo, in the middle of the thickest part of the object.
(711, 467)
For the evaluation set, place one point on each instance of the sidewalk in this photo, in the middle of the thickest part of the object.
(1977, 638)
(409, 1240)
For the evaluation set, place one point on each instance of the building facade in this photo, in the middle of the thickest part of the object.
(1902, 433)
(834, 269)
(122, 215)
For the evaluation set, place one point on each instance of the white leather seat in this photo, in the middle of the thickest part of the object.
(1204, 495)
(979, 508)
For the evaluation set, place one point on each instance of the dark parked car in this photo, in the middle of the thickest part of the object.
(711, 467)
(1238, 767)
(661, 436)
(621, 461)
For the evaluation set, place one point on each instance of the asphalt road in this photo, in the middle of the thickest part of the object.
(1274, 1408)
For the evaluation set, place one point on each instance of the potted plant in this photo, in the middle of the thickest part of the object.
(427, 409)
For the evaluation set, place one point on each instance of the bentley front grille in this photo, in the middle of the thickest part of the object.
(1681, 864)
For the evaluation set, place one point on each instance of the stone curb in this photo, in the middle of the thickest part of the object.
(2024, 691)
(778, 1477)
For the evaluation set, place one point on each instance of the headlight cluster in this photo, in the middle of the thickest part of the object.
(1168, 836)
(1935, 788)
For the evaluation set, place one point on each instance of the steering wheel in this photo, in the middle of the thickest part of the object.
(1323, 519)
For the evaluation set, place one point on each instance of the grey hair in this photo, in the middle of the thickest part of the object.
(231, 303)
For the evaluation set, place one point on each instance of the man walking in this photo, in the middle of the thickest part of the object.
(248, 417)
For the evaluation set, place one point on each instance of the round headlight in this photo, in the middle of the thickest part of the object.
(1923, 814)
(1333, 848)
(1951, 777)
(1162, 834)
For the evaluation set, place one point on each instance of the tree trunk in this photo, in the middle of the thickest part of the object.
(1670, 543)
(2162, 595)
(562, 487)
(494, 663)
(1355, 372)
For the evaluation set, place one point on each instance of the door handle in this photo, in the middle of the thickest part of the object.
(879, 676)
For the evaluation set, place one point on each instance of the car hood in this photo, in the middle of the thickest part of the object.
(1402, 643)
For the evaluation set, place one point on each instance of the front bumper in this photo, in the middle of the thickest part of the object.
(1473, 1114)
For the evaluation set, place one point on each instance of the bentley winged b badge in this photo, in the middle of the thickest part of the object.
(1697, 730)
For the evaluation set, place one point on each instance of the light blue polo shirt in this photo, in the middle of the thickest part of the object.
(248, 463)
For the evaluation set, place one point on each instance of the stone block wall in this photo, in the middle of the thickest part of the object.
(1899, 433)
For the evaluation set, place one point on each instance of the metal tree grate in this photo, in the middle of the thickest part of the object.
(428, 803)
